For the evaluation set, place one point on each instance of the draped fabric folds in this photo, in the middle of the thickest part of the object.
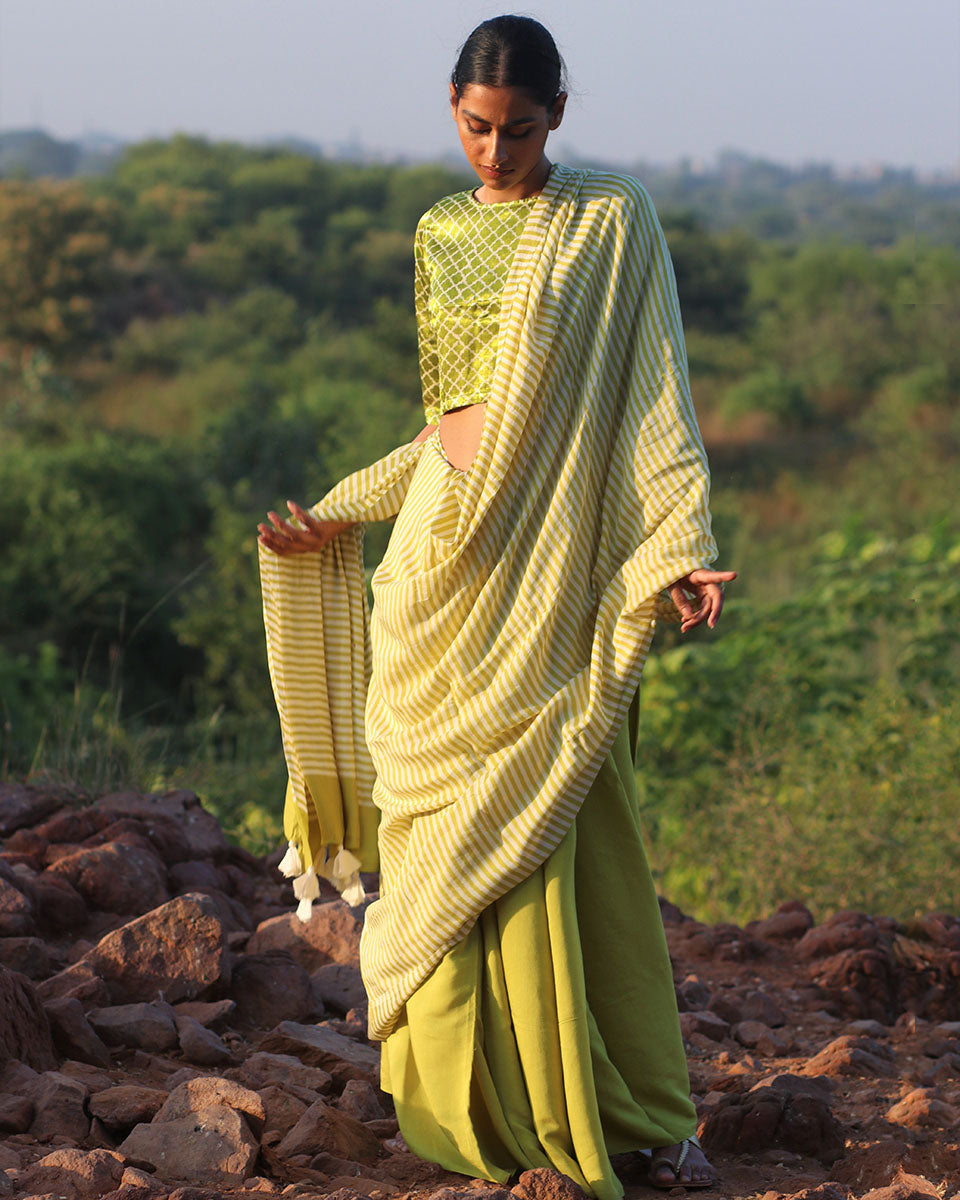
(474, 707)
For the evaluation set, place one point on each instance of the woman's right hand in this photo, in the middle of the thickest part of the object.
(287, 538)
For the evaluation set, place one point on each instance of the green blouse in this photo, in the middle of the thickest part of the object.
(462, 254)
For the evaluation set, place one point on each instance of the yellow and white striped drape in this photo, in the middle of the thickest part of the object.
(507, 649)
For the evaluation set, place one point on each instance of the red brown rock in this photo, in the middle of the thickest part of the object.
(359, 1100)
(207, 1146)
(317, 1046)
(73, 1035)
(212, 1014)
(16, 1114)
(845, 930)
(202, 835)
(175, 951)
(24, 1026)
(200, 1045)
(22, 805)
(706, 1023)
(331, 935)
(322, 1127)
(210, 1091)
(58, 903)
(789, 922)
(270, 988)
(284, 1070)
(543, 1184)
(771, 1118)
(757, 1036)
(137, 1026)
(851, 1055)
(126, 1105)
(338, 986)
(283, 1109)
(16, 911)
(924, 1108)
(29, 955)
(74, 1174)
(59, 1108)
(115, 877)
(904, 1187)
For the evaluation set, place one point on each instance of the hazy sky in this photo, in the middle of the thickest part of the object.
(848, 81)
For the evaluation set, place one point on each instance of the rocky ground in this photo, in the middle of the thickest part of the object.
(169, 1029)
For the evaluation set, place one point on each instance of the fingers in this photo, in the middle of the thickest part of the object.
(710, 605)
(681, 600)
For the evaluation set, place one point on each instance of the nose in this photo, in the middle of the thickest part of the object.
(498, 149)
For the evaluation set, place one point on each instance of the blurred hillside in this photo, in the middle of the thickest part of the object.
(876, 206)
(202, 330)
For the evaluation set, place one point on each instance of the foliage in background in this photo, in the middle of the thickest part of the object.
(204, 330)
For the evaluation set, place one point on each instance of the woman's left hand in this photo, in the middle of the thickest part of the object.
(705, 588)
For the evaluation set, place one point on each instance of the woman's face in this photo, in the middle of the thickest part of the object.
(503, 132)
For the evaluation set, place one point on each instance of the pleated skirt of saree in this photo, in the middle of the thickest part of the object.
(549, 1036)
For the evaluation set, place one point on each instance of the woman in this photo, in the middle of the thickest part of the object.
(515, 960)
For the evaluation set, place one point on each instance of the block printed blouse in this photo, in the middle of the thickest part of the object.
(462, 255)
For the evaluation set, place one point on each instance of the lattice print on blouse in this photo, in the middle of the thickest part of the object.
(462, 255)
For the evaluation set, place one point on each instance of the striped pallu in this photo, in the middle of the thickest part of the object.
(508, 637)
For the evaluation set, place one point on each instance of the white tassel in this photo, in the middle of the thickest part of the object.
(353, 893)
(307, 885)
(291, 863)
(345, 864)
(305, 910)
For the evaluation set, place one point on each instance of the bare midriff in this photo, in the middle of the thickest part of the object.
(460, 430)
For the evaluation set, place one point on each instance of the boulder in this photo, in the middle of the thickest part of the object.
(16, 1114)
(122, 1107)
(283, 1109)
(137, 1026)
(207, 1146)
(200, 830)
(210, 1091)
(270, 988)
(791, 921)
(59, 1108)
(263, 1069)
(24, 1026)
(74, 1174)
(29, 955)
(343, 1057)
(904, 1187)
(200, 1045)
(16, 911)
(115, 877)
(58, 903)
(322, 1127)
(359, 1100)
(544, 1184)
(760, 1037)
(176, 951)
(73, 1035)
(924, 1108)
(851, 1055)
(212, 1014)
(22, 805)
(338, 986)
(767, 1117)
(706, 1023)
(331, 935)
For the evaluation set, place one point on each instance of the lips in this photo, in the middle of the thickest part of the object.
(496, 172)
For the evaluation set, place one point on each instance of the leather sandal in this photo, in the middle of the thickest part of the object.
(660, 1159)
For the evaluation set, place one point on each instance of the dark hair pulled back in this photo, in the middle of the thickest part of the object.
(511, 51)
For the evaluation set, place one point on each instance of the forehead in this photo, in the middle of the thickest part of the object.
(500, 105)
